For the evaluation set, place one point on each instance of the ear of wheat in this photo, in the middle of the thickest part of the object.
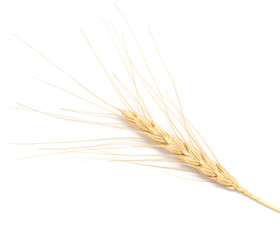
(188, 153)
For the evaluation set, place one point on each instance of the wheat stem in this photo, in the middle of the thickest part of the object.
(254, 197)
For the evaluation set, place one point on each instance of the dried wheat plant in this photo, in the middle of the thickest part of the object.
(180, 143)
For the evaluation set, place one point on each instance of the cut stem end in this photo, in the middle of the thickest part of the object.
(257, 199)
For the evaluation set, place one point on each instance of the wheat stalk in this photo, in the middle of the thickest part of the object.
(188, 153)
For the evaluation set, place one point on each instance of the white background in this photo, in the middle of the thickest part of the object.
(224, 57)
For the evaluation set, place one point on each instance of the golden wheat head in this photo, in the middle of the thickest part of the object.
(188, 154)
